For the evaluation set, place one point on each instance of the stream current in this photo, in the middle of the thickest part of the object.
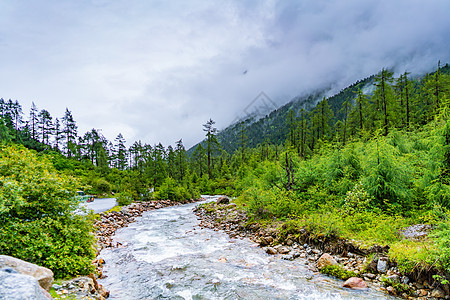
(166, 255)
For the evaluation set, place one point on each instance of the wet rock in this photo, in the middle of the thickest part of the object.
(326, 260)
(438, 293)
(223, 200)
(271, 251)
(43, 275)
(382, 265)
(355, 283)
(16, 286)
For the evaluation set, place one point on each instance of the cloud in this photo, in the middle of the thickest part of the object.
(157, 70)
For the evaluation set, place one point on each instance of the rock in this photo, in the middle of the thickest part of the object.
(391, 290)
(422, 293)
(283, 250)
(326, 260)
(355, 283)
(270, 250)
(405, 279)
(43, 275)
(223, 200)
(438, 293)
(15, 286)
(416, 232)
(369, 275)
(394, 278)
(382, 265)
(266, 240)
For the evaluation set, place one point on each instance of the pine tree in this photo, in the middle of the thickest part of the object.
(211, 142)
(45, 126)
(70, 133)
(383, 98)
(120, 151)
(33, 120)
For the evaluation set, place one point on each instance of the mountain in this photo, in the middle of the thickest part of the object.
(273, 127)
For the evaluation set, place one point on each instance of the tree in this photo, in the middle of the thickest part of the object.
(45, 125)
(211, 142)
(70, 133)
(199, 158)
(33, 120)
(120, 152)
(180, 160)
(383, 98)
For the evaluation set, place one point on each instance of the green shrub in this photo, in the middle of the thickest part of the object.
(338, 272)
(124, 198)
(37, 215)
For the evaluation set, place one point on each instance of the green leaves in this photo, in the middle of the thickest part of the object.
(37, 215)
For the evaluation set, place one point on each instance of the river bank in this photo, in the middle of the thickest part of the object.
(370, 264)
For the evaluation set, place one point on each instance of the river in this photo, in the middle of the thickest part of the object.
(166, 255)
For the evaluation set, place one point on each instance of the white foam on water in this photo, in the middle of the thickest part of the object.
(186, 294)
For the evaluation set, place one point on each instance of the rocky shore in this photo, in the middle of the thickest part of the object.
(371, 267)
(86, 287)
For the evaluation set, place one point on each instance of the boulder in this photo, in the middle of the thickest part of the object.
(355, 283)
(43, 275)
(326, 260)
(223, 200)
(382, 265)
(16, 286)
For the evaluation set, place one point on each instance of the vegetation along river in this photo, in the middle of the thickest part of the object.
(166, 255)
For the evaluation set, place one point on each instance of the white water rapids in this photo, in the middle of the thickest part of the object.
(168, 256)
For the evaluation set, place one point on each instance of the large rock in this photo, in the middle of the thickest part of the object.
(15, 286)
(223, 200)
(326, 260)
(43, 275)
(382, 265)
(355, 283)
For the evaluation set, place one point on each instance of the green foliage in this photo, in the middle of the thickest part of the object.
(399, 287)
(338, 272)
(170, 189)
(124, 198)
(37, 215)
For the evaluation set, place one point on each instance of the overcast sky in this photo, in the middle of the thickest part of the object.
(157, 70)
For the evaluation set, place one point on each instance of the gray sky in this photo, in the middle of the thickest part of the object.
(157, 70)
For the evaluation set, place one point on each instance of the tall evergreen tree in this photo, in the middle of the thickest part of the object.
(211, 142)
(33, 120)
(70, 133)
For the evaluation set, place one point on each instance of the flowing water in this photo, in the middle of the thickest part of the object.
(168, 256)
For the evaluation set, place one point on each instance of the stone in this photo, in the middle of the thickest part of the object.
(405, 279)
(438, 293)
(369, 275)
(382, 265)
(16, 286)
(355, 283)
(223, 200)
(271, 251)
(394, 278)
(326, 260)
(283, 250)
(390, 290)
(422, 293)
(43, 275)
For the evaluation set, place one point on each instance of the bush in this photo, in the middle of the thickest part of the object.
(124, 198)
(338, 272)
(37, 215)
